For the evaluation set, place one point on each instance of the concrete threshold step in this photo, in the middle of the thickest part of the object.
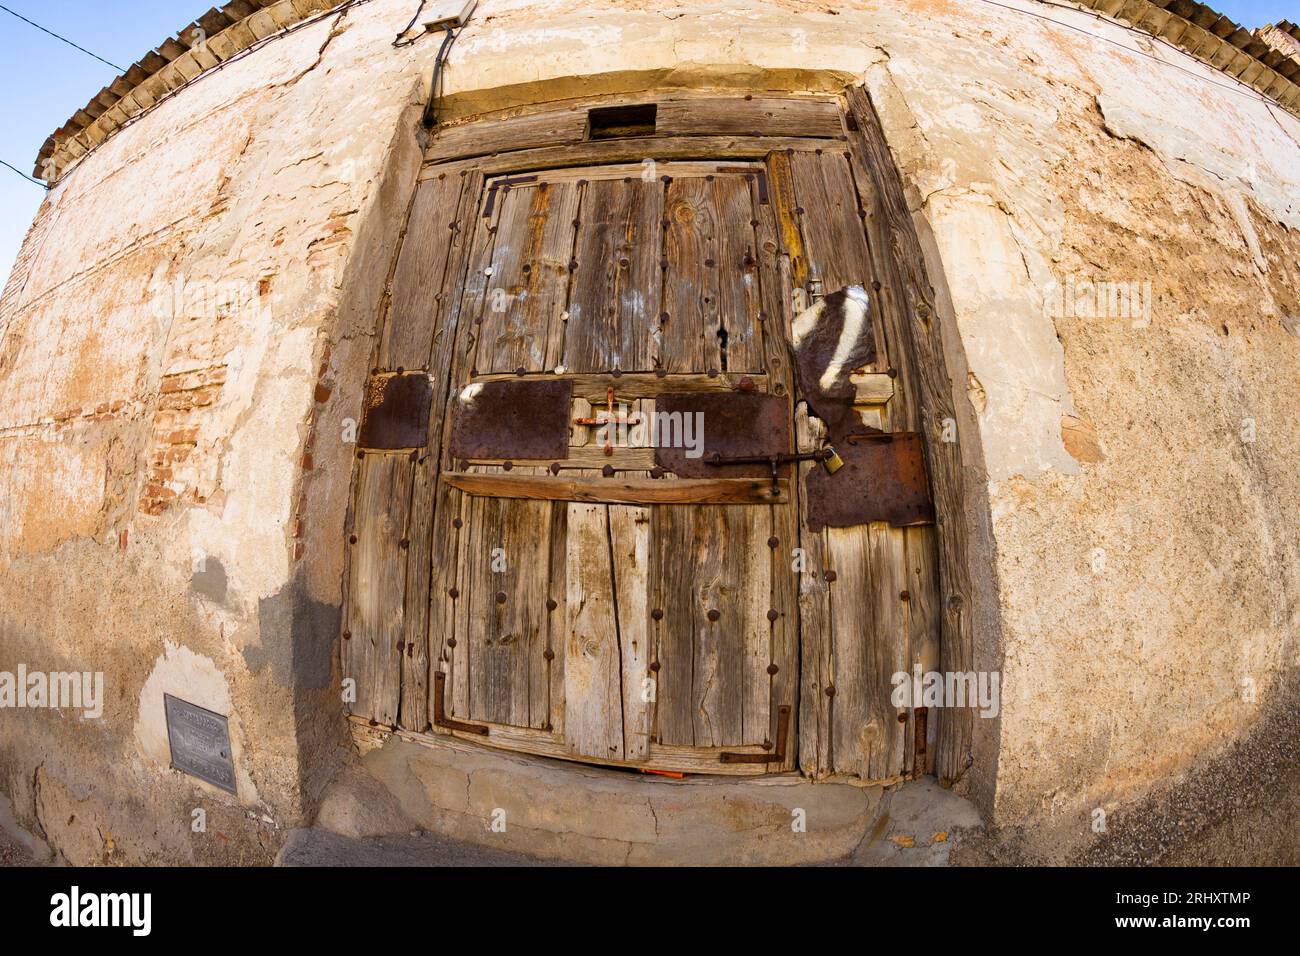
(454, 803)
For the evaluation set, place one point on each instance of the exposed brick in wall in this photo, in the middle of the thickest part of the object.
(31, 247)
(176, 469)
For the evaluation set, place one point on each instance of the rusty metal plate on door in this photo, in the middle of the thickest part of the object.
(397, 411)
(883, 479)
(690, 428)
(513, 420)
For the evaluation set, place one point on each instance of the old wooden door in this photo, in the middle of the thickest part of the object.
(520, 575)
(643, 632)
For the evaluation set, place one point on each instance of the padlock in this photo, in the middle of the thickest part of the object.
(831, 460)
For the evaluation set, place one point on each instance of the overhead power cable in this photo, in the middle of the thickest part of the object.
(36, 182)
(57, 37)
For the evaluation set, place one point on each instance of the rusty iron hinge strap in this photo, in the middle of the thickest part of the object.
(502, 183)
(440, 718)
(777, 755)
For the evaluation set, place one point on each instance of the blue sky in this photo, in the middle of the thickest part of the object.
(48, 81)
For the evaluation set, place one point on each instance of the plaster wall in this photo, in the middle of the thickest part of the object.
(169, 418)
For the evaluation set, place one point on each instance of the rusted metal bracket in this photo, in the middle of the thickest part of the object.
(611, 422)
(883, 479)
(760, 177)
(440, 718)
(397, 408)
(918, 759)
(776, 755)
(740, 423)
(512, 420)
(827, 456)
(502, 184)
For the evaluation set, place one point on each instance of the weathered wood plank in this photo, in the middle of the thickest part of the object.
(592, 666)
(922, 346)
(530, 279)
(378, 578)
(832, 232)
(621, 490)
(853, 634)
(924, 627)
(688, 326)
(674, 615)
(629, 530)
(542, 744)
(615, 292)
(593, 387)
(428, 558)
(509, 133)
(508, 567)
(784, 637)
(458, 341)
(755, 116)
(817, 640)
(633, 150)
(739, 300)
(421, 270)
(556, 620)
(887, 650)
(588, 456)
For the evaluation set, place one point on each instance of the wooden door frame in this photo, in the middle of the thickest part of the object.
(913, 324)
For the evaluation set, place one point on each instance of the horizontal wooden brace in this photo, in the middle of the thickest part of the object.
(624, 491)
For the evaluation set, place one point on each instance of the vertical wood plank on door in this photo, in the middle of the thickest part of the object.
(455, 346)
(688, 326)
(752, 600)
(429, 528)
(887, 651)
(817, 639)
(509, 560)
(930, 382)
(739, 296)
(832, 231)
(420, 274)
(672, 577)
(773, 273)
(593, 724)
(556, 622)
(629, 530)
(924, 624)
(535, 238)
(851, 603)
(614, 293)
(461, 651)
(378, 578)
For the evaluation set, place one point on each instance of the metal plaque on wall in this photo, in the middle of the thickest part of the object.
(200, 742)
